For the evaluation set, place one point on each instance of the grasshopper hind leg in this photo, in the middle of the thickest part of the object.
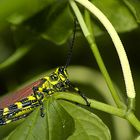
(6, 120)
(2, 121)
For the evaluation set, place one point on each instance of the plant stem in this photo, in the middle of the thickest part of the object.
(93, 104)
(118, 45)
(129, 115)
(96, 53)
(133, 120)
(106, 75)
(16, 11)
(89, 24)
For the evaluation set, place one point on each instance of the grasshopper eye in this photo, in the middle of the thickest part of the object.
(53, 77)
(61, 70)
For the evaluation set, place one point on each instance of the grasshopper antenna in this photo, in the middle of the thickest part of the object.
(71, 44)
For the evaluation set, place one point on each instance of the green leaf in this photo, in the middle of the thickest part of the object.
(134, 6)
(16, 11)
(5, 130)
(56, 125)
(119, 15)
(55, 20)
(87, 125)
(59, 23)
(59, 125)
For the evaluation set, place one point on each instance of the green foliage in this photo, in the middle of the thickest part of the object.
(87, 125)
(60, 24)
(118, 14)
(17, 11)
(57, 124)
(134, 7)
(62, 121)
(20, 52)
(52, 20)
(33, 38)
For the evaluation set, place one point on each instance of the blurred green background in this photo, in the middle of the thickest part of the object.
(34, 38)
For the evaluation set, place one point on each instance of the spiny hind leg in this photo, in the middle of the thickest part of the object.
(6, 120)
(8, 112)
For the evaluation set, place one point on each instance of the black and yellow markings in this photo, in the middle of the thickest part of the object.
(57, 82)
(18, 110)
(50, 84)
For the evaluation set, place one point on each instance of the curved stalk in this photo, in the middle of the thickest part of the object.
(118, 45)
(96, 53)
